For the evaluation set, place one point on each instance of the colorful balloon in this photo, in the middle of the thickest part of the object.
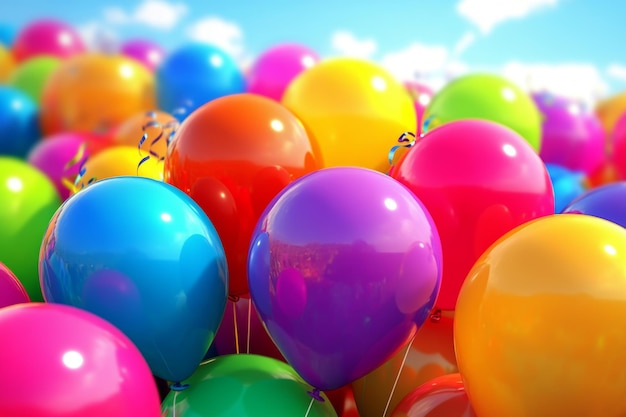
(7, 64)
(478, 179)
(95, 92)
(610, 110)
(117, 161)
(344, 268)
(430, 355)
(7, 35)
(47, 37)
(443, 396)
(195, 74)
(157, 126)
(245, 386)
(19, 125)
(607, 202)
(29, 202)
(142, 255)
(52, 357)
(486, 97)
(31, 76)
(276, 67)
(144, 51)
(571, 137)
(11, 289)
(234, 167)
(354, 109)
(528, 316)
(618, 155)
(567, 185)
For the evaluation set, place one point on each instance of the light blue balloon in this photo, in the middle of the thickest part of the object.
(195, 74)
(19, 122)
(567, 185)
(7, 35)
(143, 255)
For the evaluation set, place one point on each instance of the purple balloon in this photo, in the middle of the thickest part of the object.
(274, 69)
(344, 267)
(607, 202)
(11, 289)
(144, 51)
(56, 156)
(572, 137)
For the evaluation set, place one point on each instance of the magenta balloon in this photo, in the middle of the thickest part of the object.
(147, 52)
(344, 267)
(53, 155)
(11, 289)
(275, 68)
(59, 361)
(47, 37)
(572, 137)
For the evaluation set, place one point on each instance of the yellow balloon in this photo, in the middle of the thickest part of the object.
(610, 110)
(539, 324)
(118, 161)
(354, 109)
(7, 64)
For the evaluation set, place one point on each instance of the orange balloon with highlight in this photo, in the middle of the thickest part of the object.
(157, 126)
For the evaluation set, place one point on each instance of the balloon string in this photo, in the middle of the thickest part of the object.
(395, 383)
(236, 327)
(308, 410)
(174, 404)
(403, 138)
(249, 320)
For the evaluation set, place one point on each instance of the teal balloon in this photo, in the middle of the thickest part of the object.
(244, 386)
(19, 122)
(143, 255)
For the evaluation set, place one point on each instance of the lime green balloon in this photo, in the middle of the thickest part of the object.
(244, 386)
(28, 201)
(32, 75)
(489, 97)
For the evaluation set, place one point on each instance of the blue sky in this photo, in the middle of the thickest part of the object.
(572, 47)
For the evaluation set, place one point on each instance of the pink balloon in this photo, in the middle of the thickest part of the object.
(59, 361)
(11, 289)
(47, 37)
(55, 155)
(275, 68)
(422, 94)
(144, 51)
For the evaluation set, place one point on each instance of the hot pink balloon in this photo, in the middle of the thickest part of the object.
(572, 137)
(422, 94)
(59, 361)
(58, 157)
(47, 37)
(11, 289)
(144, 51)
(275, 68)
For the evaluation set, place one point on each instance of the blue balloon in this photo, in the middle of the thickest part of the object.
(7, 35)
(607, 202)
(195, 74)
(143, 255)
(19, 122)
(567, 185)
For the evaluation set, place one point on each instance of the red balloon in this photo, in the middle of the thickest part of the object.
(443, 396)
(479, 180)
(233, 156)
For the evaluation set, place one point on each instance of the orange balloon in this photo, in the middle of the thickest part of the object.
(443, 396)
(431, 355)
(233, 155)
(610, 110)
(7, 64)
(156, 125)
(606, 173)
(94, 92)
(539, 324)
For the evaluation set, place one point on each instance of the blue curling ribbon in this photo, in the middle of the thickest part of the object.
(403, 138)
(168, 128)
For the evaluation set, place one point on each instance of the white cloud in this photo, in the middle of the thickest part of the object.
(346, 44)
(159, 14)
(98, 38)
(487, 14)
(579, 81)
(226, 35)
(617, 71)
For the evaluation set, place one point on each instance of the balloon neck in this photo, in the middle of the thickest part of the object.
(316, 394)
(177, 386)
(435, 316)
(233, 298)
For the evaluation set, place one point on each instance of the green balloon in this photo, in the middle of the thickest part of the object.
(245, 386)
(28, 201)
(489, 97)
(31, 76)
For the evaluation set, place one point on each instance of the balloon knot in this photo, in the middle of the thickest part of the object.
(233, 298)
(435, 317)
(316, 394)
(178, 386)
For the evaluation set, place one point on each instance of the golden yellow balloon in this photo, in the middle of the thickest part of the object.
(354, 109)
(118, 161)
(610, 110)
(7, 64)
(539, 324)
